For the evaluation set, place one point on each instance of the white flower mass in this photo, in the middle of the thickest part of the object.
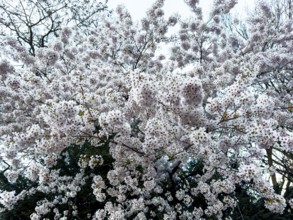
(98, 124)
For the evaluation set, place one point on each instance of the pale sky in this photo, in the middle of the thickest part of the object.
(137, 8)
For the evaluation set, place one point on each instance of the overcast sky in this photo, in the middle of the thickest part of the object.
(137, 8)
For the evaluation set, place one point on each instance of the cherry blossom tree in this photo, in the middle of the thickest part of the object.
(273, 58)
(110, 128)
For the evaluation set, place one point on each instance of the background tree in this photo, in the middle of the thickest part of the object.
(34, 23)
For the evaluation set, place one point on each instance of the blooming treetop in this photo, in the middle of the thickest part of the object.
(231, 105)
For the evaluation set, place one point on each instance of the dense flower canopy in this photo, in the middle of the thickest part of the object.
(159, 136)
